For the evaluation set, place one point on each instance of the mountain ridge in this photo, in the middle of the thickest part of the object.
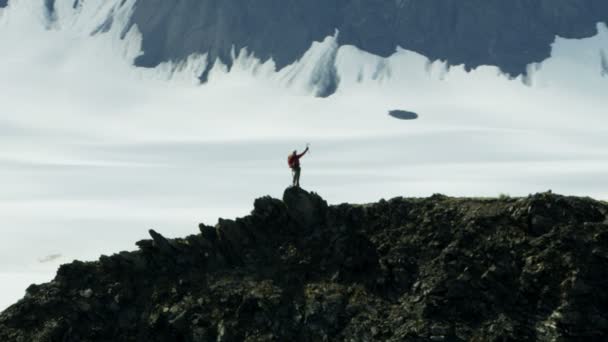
(283, 35)
(510, 35)
(439, 268)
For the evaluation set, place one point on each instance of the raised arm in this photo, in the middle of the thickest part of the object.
(303, 153)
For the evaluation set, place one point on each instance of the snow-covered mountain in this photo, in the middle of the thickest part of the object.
(509, 35)
(96, 150)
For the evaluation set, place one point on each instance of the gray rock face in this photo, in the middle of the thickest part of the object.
(507, 34)
(3, 3)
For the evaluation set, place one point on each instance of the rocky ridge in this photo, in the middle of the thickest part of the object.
(297, 269)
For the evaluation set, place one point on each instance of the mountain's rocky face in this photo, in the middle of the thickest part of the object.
(508, 34)
(435, 269)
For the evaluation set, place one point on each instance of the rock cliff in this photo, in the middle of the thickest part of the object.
(508, 34)
(297, 269)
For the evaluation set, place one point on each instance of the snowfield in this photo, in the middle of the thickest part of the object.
(96, 151)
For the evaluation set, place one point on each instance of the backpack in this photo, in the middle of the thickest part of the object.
(291, 161)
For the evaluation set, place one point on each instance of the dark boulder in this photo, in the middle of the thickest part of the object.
(308, 210)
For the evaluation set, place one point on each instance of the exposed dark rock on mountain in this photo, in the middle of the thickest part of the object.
(604, 60)
(508, 34)
(439, 269)
(402, 114)
(3, 3)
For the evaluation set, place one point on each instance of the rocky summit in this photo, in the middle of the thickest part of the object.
(297, 269)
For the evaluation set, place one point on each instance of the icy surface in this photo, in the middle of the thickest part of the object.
(95, 151)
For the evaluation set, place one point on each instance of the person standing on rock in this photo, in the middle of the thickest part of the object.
(294, 163)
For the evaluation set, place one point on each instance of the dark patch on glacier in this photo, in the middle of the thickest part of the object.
(105, 27)
(49, 6)
(604, 62)
(402, 114)
(3, 3)
(330, 83)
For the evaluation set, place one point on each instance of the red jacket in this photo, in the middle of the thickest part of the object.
(294, 159)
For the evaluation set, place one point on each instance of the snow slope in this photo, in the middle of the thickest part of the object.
(96, 151)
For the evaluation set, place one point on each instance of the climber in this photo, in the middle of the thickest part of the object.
(294, 163)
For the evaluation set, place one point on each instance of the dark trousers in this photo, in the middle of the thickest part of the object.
(296, 176)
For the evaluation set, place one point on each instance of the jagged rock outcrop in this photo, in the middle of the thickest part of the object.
(297, 269)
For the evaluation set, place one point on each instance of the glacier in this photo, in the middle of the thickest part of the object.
(96, 151)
